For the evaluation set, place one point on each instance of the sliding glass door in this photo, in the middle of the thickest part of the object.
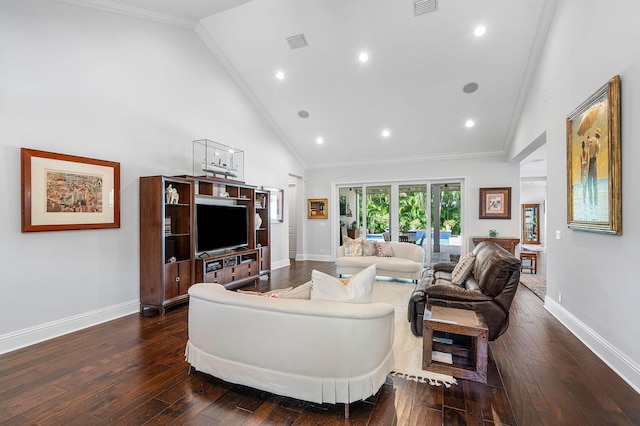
(446, 222)
(424, 213)
(378, 212)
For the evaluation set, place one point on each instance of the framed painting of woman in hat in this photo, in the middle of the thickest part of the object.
(594, 196)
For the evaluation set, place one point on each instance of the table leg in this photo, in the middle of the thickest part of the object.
(427, 345)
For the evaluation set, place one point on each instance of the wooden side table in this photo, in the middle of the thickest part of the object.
(529, 261)
(460, 322)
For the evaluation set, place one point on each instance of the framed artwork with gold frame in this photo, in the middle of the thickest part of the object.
(317, 208)
(594, 192)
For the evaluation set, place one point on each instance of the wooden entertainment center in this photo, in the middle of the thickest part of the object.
(168, 261)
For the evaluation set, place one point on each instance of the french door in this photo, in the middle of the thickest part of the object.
(400, 211)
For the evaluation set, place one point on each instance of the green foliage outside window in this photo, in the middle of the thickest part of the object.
(378, 212)
(411, 211)
(449, 210)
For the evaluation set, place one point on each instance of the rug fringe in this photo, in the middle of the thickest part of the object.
(422, 379)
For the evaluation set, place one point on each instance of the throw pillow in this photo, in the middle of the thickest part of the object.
(272, 293)
(384, 249)
(463, 269)
(352, 247)
(357, 289)
(301, 292)
(369, 248)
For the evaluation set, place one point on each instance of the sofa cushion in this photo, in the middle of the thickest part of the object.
(493, 268)
(383, 263)
(353, 247)
(356, 289)
(384, 249)
(463, 269)
(369, 248)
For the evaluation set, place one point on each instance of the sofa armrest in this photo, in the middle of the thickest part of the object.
(418, 298)
(444, 267)
(340, 252)
(454, 292)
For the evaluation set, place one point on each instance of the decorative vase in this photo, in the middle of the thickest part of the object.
(258, 221)
(493, 233)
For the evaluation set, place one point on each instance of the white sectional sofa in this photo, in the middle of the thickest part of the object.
(315, 350)
(407, 262)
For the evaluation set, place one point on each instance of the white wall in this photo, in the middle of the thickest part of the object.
(478, 172)
(589, 42)
(85, 82)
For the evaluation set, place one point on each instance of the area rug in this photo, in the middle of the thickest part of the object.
(536, 283)
(407, 348)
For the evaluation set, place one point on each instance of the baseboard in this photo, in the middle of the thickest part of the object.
(625, 367)
(39, 333)
(317, 257)
(280, 264)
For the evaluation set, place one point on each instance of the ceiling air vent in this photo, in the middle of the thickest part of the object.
(297, 41)
(420, 7)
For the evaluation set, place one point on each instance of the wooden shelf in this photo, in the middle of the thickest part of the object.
(231, 270)
(166, 243)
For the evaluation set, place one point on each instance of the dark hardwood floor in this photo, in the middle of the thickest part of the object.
(132, 371)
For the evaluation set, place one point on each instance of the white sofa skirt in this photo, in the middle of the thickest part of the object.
(318, 351)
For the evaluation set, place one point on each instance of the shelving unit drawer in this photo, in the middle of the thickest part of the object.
(222, 276)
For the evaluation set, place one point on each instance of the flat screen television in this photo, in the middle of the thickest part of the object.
(221, 227)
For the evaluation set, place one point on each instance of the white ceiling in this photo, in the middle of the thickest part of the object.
(411, 85)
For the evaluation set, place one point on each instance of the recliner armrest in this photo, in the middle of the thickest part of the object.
(456, 293)
(444, 267)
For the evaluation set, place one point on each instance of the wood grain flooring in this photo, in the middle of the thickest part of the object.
(132, 371)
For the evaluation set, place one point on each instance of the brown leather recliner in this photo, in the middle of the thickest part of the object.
(489, 289)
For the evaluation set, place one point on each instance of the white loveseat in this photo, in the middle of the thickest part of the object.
(407, 262)
(315, 350)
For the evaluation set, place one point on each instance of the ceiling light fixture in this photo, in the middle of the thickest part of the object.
(479, 31)
(364, 57)
(470, 87)
(319, 141)
(470, 123)
(303, 114)
(280, 75)
(386, 133)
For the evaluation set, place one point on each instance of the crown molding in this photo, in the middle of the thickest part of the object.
(413, 159)
(546, 17)
(136, 12)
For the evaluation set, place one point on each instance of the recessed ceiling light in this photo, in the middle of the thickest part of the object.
(280, 75)
(319, 141)
(470, 123)
(470, 87)
(479, 31)
(386, 133)
(364, 57)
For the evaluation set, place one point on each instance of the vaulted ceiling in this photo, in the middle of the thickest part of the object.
(417, 83)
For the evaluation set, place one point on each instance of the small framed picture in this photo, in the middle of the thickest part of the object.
(495, 203)
(317, 208)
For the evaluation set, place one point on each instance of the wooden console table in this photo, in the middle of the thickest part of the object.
(507, 243)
